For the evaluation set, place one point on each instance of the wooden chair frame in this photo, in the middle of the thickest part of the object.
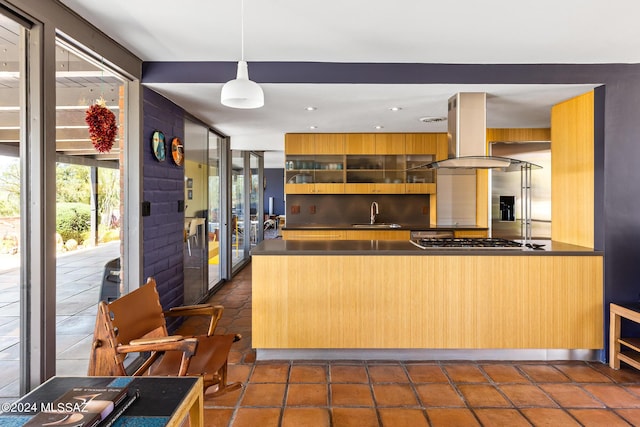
(135, 323)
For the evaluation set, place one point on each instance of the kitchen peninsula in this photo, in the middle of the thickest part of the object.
(379, 298)
(376, 298)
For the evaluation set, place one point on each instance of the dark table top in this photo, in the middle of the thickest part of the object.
(159, 398)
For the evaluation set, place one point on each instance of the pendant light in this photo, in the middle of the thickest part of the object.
(242, 92)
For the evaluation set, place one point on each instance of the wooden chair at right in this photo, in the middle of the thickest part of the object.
(135, 323)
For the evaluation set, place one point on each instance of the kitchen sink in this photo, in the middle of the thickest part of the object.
(377, 225)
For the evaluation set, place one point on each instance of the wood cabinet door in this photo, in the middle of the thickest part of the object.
(329, 188)
(472, 234)
(388, 188)
(360, 143)
(299, 188)
(313, 234)
(377, 234)
(358, 188)
(422, 188)
(390, 143)
(423, 143)
(299, 143)
(329, 143)
(442, 149)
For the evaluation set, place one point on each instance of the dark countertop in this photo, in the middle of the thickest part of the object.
(402, 247)
(403, 227)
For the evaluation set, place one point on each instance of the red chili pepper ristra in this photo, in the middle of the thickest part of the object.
(102, 127)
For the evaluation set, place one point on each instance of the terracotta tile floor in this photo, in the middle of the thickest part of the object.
(397, 393)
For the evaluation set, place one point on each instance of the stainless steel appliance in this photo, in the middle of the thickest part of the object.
(467, 243)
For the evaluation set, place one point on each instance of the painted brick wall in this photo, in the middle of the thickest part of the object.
(163, 186)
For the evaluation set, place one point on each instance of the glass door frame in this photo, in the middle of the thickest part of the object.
(42, 22)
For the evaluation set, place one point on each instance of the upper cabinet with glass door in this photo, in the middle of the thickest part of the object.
(314, 163)
(361, 163)
(420, 149)
(375, 163)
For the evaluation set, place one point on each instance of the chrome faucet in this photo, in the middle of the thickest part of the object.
(374, 211)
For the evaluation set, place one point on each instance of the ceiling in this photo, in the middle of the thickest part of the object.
(402, 31)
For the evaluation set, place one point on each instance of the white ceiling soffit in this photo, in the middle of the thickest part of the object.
(358, 108)
(402, 31)
(463, 31)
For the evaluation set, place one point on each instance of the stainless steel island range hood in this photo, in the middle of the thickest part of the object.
(467, 134)
(457, 178)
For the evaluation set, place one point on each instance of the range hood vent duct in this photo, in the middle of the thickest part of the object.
(467, 134)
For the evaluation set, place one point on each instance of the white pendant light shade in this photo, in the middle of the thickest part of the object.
(242, 92)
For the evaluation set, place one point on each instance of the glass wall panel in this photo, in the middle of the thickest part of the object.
(215, 209)
(196, 138)
(11, 257)
(239, 215)
(88, 201)
(255, 196)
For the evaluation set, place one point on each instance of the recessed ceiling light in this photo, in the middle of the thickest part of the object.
(310, 108)
(379, 127)
(395, 108)
(313, 127)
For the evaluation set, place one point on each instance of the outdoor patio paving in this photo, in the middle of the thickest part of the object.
(79, 279)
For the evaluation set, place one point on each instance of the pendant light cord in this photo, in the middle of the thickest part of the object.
(242, 29)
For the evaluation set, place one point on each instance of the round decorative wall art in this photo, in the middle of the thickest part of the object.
(158, 146)
(177, 151)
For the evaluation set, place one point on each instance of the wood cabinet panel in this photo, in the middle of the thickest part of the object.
(470, 233)
(299, 143)
(572, 169)
(442, 149)
(328, 188)
(390, 143)
(377, 234)
(372, 163)
(329, 234)
(360, 143)
(299, 188)
(518, 134)
(329, 143)
(423, 143)
(420, 188)
(374, 188)
(446, 302)
(313, 234)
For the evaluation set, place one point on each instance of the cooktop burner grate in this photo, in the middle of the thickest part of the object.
(475, 243)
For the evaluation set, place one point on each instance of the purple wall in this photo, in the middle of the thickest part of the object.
(163, 186)
(275, 189)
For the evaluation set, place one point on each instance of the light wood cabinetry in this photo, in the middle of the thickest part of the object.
(440, 302)
(573, 170)
(360, 143)
(299, 143)
(313, 234)
(312, 143)
(377, 234)
(390, 143)
(420, 143)
(317, 188)
(361, 163)
(375, 188)
(346, 234)
(459, 234)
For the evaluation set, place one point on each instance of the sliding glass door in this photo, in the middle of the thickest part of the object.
(89, 208)
(12, 135)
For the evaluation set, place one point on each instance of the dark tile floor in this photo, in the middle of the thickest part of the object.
(398, 393)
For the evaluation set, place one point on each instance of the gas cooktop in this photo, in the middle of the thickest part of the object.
(469, 243)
